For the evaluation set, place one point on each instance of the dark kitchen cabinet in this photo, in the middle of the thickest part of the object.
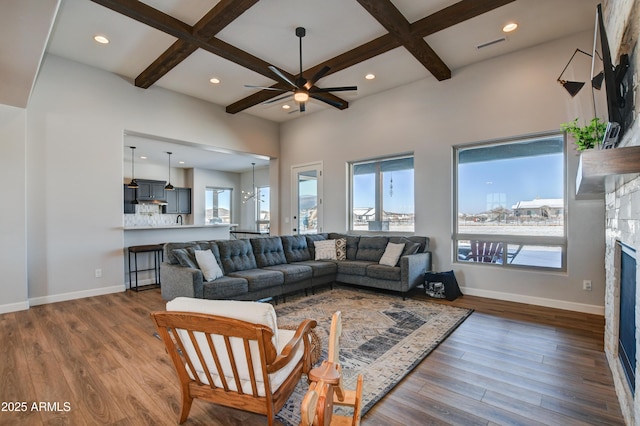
(129, 199)
(178, 201)
(151, 190)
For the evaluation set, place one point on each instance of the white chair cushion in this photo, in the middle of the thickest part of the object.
(253, 312)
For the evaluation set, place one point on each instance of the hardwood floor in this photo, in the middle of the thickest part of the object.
(95, 361)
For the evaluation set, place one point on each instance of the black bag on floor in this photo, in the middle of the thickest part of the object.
(441, 285)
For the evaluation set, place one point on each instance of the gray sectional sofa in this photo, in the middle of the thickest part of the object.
(259, 268)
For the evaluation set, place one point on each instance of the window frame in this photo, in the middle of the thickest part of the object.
(378, 195)
(209, 188)
(510, 239)
(259, 203)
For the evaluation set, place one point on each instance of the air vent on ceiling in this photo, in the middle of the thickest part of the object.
(491, 43)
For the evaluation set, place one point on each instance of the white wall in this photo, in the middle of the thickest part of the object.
(75, 125)
(510, 95)
(13, 223)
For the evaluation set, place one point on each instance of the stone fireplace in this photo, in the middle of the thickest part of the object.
(622, 231)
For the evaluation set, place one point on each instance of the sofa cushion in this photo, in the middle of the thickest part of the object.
(384, 272)
(423, 241)
(169, 247)
(268, 251)
(208, 265)
(186, 257)
(321, 268)
(236, 255)
(325, 250)
(225, 288)
(259, 279)
(352, 243)
(354, 267)
(391, 254)
(295, 248)
(310, 240)
(371, 248)
(293, 272)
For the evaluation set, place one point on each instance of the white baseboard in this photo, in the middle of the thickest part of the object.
(76, 295)
(533, 300)
(14, 307)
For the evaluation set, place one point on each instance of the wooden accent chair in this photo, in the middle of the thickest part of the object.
(485, 252)
(326, 390)
(231, 353)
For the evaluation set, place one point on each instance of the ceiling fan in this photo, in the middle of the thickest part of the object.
(302, 88)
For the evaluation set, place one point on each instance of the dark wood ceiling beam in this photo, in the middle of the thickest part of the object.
(393, 21)
(208, 26)
(453, 15)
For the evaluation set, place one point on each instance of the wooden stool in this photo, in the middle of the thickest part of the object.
(156, 249)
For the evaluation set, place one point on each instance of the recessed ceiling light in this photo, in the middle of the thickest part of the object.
(180, 162)
(101, 39)
(142, 157)
(214, 80)
(285, 106)
(510, 27)
(370, 76)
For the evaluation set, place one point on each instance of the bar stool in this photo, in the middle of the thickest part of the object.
(158, 256)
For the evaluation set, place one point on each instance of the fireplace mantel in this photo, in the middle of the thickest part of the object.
(596, 164)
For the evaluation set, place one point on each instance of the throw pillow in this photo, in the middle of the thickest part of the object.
(208, 265)
(325, 249)
(441, 285)
(341, 249)
(391, 254)
(409, 248)
(185, 257)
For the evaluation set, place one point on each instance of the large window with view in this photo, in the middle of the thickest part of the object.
(217, 203)
(263, 209)
(510, 203)
(382, 195)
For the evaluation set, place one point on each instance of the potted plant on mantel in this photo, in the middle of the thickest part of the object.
(586, 137)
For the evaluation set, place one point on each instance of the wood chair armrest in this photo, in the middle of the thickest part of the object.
(287, 352)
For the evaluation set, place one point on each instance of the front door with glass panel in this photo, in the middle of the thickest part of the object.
(307, 199)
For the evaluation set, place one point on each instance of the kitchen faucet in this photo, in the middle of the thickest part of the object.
(179, 218)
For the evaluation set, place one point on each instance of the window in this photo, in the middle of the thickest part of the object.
(382, 195)
(217, 205)
(510, 203)
(263, 214)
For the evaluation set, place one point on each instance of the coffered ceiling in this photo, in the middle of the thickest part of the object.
(181, 44)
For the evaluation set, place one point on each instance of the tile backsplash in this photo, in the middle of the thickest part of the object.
(150, 215)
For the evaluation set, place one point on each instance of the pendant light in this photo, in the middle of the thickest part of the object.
(246, 196)
(169, 187)
(133, 184)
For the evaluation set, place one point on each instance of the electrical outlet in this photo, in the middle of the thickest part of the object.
(586, 285)
(98, 273)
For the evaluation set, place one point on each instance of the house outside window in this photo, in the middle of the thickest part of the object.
(510, 203)
(218, 205)
(382, 195)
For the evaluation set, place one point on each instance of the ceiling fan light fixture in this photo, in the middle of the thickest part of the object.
(301, 96)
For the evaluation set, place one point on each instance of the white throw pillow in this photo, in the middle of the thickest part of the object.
(391, 254)
(208, 265)
(325, 249)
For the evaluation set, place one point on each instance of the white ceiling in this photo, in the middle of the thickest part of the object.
(267, 31)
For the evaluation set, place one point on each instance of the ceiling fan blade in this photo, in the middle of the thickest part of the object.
(334, 89)
(309, 84)
(325, 100)
(250, 86)
(283, 78)
(279, 98)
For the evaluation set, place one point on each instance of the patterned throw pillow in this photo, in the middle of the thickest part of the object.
(325, 249)
(341, 249)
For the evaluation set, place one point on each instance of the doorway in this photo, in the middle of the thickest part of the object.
(307, 199)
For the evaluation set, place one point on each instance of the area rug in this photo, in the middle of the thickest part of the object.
(383, 337)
